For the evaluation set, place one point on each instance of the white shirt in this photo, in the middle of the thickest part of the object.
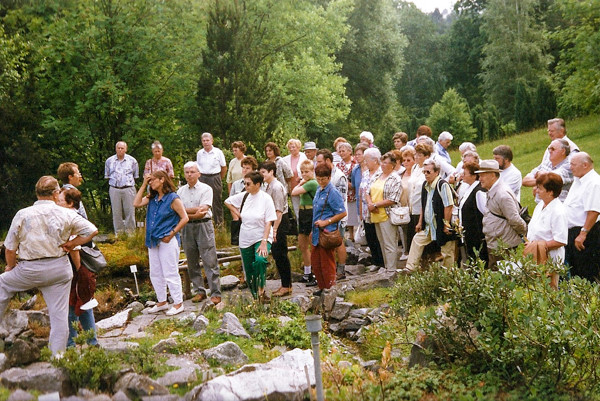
(512, 178)
(258, 210)
(198, 195)
(480, 199)
(550, 223)
(417, 178)
(583, 196)
(38, 231)
(210, 162)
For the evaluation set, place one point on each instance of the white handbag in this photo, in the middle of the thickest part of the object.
(399, 215)
(360, 238)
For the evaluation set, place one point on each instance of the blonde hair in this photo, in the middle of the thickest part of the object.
(307, 165)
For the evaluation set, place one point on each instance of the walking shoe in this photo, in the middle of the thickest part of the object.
(199, 297)
(242, 285)
(92, 303)
(156, 308)
(215, 300)
(264, 298)
(306, 278)
(317, 293)
(282, 291)
(312, 282)
(404, 256)
(174, 311)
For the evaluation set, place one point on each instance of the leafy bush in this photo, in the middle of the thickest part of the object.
(515, 326)
(91, 368)
(451, 113)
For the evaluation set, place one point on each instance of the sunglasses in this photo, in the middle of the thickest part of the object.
(247, 183)
(427, 172)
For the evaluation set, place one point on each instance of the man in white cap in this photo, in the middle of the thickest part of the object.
(442, 145)
(501, 221)
(310, 150)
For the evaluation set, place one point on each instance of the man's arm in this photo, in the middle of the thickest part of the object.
(590, 220)
(11, 259)
(223, 172)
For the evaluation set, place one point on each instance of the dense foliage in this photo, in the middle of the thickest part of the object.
(76, 76)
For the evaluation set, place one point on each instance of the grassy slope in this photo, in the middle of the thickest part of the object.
(529, 147)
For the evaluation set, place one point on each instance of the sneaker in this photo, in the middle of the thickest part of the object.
(264, 298)
(312, 282)
(156, 308)
(317, 293)
(199, 297)
(215, 300)
(306, 278)
(404, 256)
(174, 311)
(92, 303)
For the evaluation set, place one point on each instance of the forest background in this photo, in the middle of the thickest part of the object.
(78, 76)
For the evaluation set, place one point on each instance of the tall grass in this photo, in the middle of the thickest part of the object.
(528, 147)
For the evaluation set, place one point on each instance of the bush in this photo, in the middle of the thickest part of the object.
(451, 114)
(91, 368)
(514, 326)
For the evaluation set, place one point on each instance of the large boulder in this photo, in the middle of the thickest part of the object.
(22, 353)
(231, 325)
(41, 376)
(165, 345)
(116, 321)
(136, 386)
(13, 323)
(341, 310)
(229, 282)
(179, 377)
(226, 353)
(283, 378)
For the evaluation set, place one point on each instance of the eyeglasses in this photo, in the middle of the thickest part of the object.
(247, 183)
(427, 172)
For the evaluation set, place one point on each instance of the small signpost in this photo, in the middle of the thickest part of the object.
(133, 269)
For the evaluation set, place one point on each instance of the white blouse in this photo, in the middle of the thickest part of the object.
(550, 223)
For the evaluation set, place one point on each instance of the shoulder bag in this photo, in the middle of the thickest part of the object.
(92, 258)
(237, 224)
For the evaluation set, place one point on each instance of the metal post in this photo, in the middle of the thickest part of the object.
(133, 269)
(313, 325)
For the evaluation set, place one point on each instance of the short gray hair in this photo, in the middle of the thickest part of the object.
(465, 146)
(426, 140)
(191, 164)
(432, 162)
(207, 134)
(344, 145)
(565, 145)
(444, 136)
(372, 152)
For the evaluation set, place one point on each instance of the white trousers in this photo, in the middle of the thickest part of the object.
(419, 242)
(164, 270)
(387, 234)
(121, 203)
(52, 276)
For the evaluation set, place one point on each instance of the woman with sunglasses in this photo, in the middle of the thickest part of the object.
(257, 211)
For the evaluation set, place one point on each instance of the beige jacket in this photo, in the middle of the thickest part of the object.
(501, 201)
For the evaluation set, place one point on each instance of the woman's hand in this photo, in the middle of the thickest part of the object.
(168, 238)
(322, 223)
(372, 207)
(418, 227)
(262, 249)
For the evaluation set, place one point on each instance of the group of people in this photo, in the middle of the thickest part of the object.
(398, 202)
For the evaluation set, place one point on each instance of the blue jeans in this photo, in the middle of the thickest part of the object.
(87, 323)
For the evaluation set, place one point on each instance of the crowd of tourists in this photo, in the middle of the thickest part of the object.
(406, 204)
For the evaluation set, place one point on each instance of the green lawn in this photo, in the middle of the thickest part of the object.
(529, 147)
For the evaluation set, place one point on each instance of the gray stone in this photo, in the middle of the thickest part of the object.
(371, 365)
(20, 395)
(188, 318)
(226, 353)
(137, 386)
(113, 322)
(364, 259)
(302, 301)
(54, 396)
(138, 324)
(181, 376)
(360, 312)
(38, 317)
(29, 303)
(175, 334)
(351, 259)
(341, 310)
(170, 397)
(283, 320)
(113, 333)
(118, 346)
(14, 323)
(220, 306)
(280, 348)
(41, 376)
(3, 362)
(85, 393)
(418, 353)
(165, 345)
(120, 396)
(231, 325)
(283, 378)
(329, 297)
(22, 353)
(355, 270)
(210, 374)
(252, 325)
(370, 281)
(229, 282)
(136, 306)
(182, 362)
(373, 268)
(344, 365)
(350, 324)
(201, 323)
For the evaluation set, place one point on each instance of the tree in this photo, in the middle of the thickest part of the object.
(515, 50)
(268, 71)
(451, 114)
(524, 108)
(545, 102)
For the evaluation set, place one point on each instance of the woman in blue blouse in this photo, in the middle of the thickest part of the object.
(165, 217)
(328, 210)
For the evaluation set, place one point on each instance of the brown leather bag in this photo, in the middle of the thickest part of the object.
(329, 239)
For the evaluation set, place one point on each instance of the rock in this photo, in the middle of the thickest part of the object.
(22, 353)
(170, 397)
(113, 322)
(165, 345)
(136, 306)
(40, 376)
(3, 362)
(138, 324)
(220, 306)
(212, 373)
(188, 318)
(334, 327)
(175, 334)
(350, 324)
(351, 259)
(418, 355)
(29, 303)
(252, 325)
(373, 268)
(14, 323)
(120, 396)
(344, 365)
(181, 362)
(370, 281)
(231, 325)
(329, 297)
(118, 346)
(340, 310)
(179, 377)
(227, 353)
(280, 348)
(364, 259)
(136, 386)
(100, 397)
(355, 270)
(20, 395)
(201, 323)
(283, 378)
(360, 312)
(371, 365)
(302, 301)
(55, 396)
(229, 282)
(38, 317)
(283, 320)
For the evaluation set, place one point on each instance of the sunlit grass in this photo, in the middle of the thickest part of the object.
(370, 298)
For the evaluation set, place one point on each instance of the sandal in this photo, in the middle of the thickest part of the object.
(282, 291)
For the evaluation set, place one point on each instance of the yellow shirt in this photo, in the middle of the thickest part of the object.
(376, 192)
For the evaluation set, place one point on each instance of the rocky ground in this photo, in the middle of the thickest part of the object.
(284, 377)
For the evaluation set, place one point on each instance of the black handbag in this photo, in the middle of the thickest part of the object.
(292, 228)
(92, 258)
(236, 225)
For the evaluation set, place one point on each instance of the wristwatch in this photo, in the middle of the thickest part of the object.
(329, 221)
(583, 230)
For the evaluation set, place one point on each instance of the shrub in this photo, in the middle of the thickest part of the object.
(451, 114)
(91, 368)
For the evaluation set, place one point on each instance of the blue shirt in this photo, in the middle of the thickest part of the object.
(160, 219)
(334, 206)
(355, 179)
